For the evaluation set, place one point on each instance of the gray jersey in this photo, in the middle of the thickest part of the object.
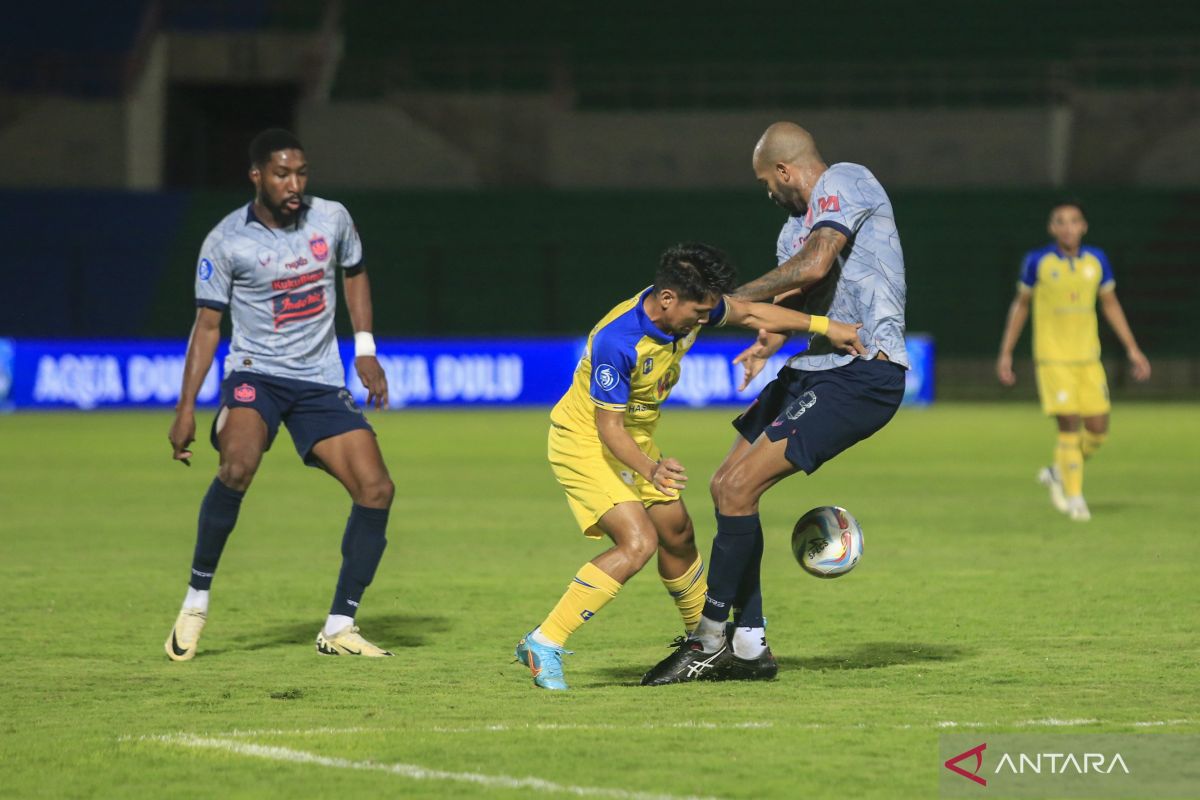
(280, 286)
(866, 283)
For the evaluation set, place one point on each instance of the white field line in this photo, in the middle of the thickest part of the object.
(683, 725)
(410, 771)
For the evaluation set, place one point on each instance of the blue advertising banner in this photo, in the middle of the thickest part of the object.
(85, 375)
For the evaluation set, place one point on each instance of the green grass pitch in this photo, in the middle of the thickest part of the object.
(975, 605)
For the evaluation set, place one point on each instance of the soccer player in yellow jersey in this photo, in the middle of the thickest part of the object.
(1063, 280)
(602, 450)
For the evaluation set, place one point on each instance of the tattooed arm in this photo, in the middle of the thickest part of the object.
(805, 268)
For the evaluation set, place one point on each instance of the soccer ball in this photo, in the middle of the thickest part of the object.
(827, 542)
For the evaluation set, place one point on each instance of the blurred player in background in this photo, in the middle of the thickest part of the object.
(1063, 280)
(840, 249)
(602, 450)
(274, 264)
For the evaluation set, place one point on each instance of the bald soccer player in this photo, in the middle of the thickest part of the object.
(839, 256)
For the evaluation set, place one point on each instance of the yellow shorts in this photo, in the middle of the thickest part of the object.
(1073, 389)
(594, 480)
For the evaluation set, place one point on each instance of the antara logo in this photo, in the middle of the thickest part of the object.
(1036, 763)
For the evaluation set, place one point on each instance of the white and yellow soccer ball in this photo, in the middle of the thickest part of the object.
(827, 541)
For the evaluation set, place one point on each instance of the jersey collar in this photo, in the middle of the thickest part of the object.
(252, 218)
(647, 325)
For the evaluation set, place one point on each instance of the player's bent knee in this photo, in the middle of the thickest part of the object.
(640, 549)
(377, 493)
(237, 473)
(735, 491)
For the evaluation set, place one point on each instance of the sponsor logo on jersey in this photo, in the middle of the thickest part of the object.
(668, 379)
(245, 393)
(205, 270)
(264, 257)
(319, 247)
(298, 305)
(297, 264)
(288, 284)
(829, 203)
(606, 376)
(647, 366)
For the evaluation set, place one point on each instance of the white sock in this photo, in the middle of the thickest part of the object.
(711, 634)
(196, 598)
(749, 642)
(336, 622)
(541, 638)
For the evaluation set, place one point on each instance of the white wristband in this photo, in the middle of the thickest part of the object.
(364, 344)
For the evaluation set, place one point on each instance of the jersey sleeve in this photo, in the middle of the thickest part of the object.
(612, 369)
(840, 202)
(349, 245)
(1029, 270)
(717, 317)
(214, 275)
(1107, 281)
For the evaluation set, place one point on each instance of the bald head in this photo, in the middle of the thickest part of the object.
(785, 143)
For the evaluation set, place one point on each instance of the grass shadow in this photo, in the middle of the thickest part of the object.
(878, 655)
(391, 631)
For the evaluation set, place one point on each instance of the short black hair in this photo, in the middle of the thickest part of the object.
(1068, 202)
(695, 271)
(272, 140)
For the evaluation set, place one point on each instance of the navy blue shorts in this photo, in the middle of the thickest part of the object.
(823, 412)
(311, 411)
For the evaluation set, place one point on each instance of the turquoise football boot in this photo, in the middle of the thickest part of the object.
(544, 662)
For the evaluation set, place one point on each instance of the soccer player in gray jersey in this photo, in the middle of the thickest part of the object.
(274, 264)
(839, 256)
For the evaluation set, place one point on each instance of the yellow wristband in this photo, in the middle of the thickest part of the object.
(818, 325)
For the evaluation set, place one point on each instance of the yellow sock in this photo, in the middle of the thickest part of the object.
(1068, 457)
(586, 595)
(688, 591)
(1092, 442)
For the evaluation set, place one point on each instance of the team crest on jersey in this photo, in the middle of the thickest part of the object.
(245, 393)
(647, 366)
(606, 376)
(319, 247)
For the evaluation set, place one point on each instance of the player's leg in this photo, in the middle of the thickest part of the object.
(241, 436)
(748, 623)
(679, 563)
(1095, 431)
(634, 542)
(355, 460)
(1068, 463)
(705, 654)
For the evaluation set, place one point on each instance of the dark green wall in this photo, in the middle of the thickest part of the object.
(536, 262)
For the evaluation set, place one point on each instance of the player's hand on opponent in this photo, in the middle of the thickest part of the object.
(669, 477)
(1139, 364)
(372, 376)
(754, 357)
(844, 337)
(182, 433)
(1004, 370)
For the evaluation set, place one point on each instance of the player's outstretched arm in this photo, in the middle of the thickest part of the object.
(202, 346)
(1018, 312)
(358, 302)
(777, 319)
(810, 265)
(668, 475)
(1115, 315)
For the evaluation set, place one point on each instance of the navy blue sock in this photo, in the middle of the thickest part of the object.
(362, 547)
(733, 548)
(218, 515)
(748, 604)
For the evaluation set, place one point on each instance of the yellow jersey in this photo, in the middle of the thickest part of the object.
(628, 365)
(1064, 290)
